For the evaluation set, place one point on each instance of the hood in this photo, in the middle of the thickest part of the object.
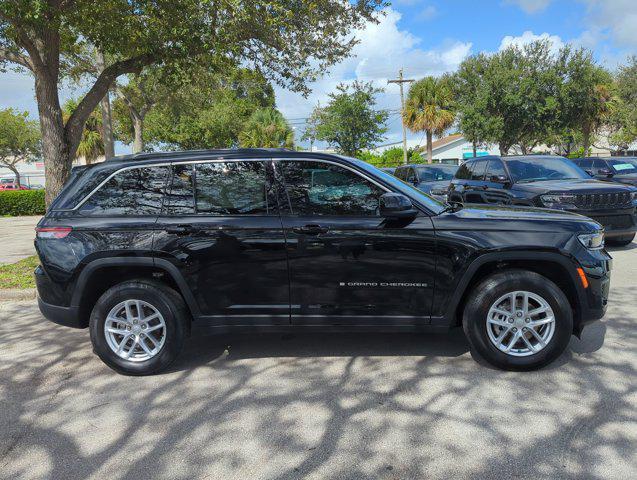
(624, 179)
(572, 186)
(514, 218)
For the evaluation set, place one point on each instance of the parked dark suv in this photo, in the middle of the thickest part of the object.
(549, 182)
(147, 249)
(433, 179)
(610, 169)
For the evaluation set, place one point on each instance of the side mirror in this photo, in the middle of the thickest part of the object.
(605, 172)
(396, 205)
(590, 172)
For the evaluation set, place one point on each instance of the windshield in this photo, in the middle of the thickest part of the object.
(429, 202)
(541, 168)
(437, 173)
(624, 166)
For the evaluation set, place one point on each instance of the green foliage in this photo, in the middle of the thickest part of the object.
(623, 117)
(526, 96)
(19, 274)
(19, 139)
(392, 157)
(266, 128)
(429, 108)
(91, 145)
(199, 109)
(350, 122)
(15, 203)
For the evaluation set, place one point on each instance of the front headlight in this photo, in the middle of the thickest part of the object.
(592, 241)
(438, 191)
(558, 201)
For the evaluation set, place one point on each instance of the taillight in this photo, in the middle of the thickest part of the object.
(52, 232)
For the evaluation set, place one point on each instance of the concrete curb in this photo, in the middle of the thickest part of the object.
(17, 294)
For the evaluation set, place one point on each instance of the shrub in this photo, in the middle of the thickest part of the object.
(22, 202)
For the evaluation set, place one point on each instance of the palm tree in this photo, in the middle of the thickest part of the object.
(91, 145)
(429, 108)
(266, 128)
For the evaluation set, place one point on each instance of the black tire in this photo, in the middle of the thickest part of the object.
(164, 299)
(620, 241)
(489, 290)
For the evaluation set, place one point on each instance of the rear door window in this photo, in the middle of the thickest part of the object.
(133, 191)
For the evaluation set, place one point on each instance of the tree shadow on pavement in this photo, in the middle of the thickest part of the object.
(318, 406)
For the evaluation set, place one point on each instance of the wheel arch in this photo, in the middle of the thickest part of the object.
(554, 266)
(99, 275)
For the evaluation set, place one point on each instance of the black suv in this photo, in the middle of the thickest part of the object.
(610, 169)
(147, 249)
(431, 179)
(550, 182)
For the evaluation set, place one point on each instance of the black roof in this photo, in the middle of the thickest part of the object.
(514, 157)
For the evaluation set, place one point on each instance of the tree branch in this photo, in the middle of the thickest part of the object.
(75, 124)
(14, 57)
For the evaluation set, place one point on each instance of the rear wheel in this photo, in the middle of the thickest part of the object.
(138, 327)
(518, 320)
(620, 241)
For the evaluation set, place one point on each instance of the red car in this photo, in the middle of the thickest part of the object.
(12, 186)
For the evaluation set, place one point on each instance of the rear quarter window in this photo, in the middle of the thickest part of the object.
(134, 191)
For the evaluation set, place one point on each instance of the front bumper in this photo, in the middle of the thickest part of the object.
(616, 223)
(594, 300)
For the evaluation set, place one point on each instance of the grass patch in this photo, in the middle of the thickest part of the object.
(19, 274)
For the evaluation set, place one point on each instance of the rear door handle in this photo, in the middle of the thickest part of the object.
(311, 229)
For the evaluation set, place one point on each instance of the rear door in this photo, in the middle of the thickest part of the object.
(347, 265)
(221, 228)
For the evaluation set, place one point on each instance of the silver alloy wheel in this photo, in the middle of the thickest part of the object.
(135, 330)
(520, 323)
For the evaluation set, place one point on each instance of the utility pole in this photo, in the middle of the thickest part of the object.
(400, 80)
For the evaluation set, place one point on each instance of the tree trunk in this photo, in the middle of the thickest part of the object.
(475, 149)
(429, 146)
(504, 149)
(55, 148)
(586, 134)
(138, 142)
(107, 118)
(14, 169)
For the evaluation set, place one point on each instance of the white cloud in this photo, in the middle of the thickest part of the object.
(427, 13)
(529, 37)
(617, 17)
(531, 6)
(382, 51)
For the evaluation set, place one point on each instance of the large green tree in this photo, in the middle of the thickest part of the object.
(429, 108)
(350, 121)
(281, 36)
(19, 140)
(623, 117)
(266, 128)
(200, 109)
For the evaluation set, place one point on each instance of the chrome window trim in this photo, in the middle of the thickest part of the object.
(166, 163)
(347, 167)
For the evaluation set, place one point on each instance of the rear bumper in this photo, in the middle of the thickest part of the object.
(67, 316)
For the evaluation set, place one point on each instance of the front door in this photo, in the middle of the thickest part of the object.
(220, 226)
(348, 266)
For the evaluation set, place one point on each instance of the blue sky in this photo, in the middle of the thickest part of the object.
(431, 37)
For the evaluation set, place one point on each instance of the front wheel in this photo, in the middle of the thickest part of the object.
(138, 327)
(518, 320)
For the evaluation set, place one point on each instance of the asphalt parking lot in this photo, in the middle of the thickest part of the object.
(321, 406)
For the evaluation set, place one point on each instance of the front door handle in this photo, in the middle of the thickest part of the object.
(181, 229)
(311, 229)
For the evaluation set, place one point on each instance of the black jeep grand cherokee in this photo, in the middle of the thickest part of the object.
(549, 182)
(148, 248)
